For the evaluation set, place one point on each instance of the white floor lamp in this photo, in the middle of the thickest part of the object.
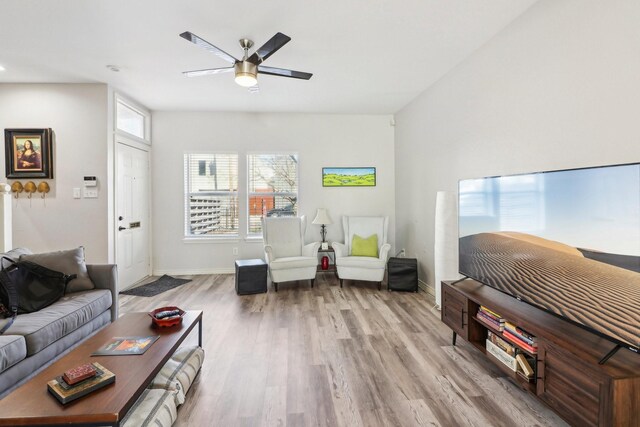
(446, 240)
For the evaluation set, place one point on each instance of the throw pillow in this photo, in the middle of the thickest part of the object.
(68, 262)
(364, 247)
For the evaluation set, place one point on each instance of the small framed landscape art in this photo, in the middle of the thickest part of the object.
(28, 153)
(348, 177)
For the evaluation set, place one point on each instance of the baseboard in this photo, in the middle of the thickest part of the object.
(194, 271)
(426, 287)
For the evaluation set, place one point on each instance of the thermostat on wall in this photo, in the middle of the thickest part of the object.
(90, 181)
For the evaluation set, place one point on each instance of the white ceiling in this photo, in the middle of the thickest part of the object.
(367, 56)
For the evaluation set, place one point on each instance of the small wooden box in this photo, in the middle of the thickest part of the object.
(251, 276)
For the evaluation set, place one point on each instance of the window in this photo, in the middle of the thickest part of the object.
(130, 120)
(211, 195)
(273, 187)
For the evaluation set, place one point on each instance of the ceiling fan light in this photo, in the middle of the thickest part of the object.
(246, 73)
(246, 79)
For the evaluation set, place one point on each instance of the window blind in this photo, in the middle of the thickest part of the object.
(211, 194)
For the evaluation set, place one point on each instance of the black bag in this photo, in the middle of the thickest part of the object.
(26, 287)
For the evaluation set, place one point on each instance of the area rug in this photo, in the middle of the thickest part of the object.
(164, 283)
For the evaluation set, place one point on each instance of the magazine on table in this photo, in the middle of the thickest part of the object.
(124, 346)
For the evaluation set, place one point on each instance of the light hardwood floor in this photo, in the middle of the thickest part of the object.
(354, 356)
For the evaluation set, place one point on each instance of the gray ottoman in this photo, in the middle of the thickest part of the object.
(251, 276)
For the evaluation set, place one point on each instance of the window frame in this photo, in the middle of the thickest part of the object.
(132, 105)
(186, 198)
(256, 236)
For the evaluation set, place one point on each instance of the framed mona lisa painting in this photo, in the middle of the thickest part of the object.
(28, 153)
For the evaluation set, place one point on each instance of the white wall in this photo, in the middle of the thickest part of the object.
(558, 88)
(320, 140)
(77, 113)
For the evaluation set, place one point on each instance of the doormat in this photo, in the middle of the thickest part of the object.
(164, 283)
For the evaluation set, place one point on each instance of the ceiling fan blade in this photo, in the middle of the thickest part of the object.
(269, 48)
(196, 73)
(284, 73)
(208, 46)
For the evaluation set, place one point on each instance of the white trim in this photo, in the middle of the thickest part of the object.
(211, 239)
(426, 287)
(128, 140)
(193, 272)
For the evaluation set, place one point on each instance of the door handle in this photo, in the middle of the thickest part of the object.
(121, 228)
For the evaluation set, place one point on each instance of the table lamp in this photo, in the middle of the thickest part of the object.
(322, 219)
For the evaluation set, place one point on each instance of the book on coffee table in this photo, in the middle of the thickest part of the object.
(66, 393)
(124, 346)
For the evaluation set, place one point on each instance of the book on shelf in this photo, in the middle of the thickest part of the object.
(490, 321)
(491, 313)
(66, 393)
(502, 356)
(521, 334)
(524, 365)
(517, 341)
(504, 345)
(491, 316)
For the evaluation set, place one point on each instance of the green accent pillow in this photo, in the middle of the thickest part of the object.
(364, 247)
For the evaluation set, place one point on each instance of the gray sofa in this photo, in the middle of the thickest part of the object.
(36, 339)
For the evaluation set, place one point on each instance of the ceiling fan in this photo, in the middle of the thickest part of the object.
(247, 69)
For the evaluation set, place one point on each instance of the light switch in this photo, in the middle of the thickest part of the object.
(76, 193)
(90, 193)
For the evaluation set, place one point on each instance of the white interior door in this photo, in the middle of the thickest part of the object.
(132, 215)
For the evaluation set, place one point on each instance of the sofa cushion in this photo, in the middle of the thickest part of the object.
(293, 262)
(12, 350)
(360, 262)
(62, 317)
(13, 254)
(68, 262)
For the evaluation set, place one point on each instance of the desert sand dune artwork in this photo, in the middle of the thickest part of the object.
(560, 279)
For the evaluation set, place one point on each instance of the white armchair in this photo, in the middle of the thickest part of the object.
(362, 267)
(286, 254)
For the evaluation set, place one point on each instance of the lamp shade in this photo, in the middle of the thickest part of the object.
(322, 217)
(446, 240)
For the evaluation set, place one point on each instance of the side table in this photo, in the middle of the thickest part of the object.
(251, 276)
(329, 252)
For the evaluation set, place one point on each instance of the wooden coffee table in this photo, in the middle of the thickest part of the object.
(31, 404)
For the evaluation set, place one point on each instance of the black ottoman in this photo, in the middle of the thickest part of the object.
(251, 276)
(402, 274)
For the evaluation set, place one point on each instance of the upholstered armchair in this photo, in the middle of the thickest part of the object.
(286, 254)
(368, 268)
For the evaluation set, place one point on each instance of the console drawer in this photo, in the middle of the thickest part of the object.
(454, 311)
(569, 386)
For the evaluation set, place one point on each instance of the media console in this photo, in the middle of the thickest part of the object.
(568, 377)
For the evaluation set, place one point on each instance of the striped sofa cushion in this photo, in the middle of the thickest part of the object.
(155, 408)
(179, 372)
